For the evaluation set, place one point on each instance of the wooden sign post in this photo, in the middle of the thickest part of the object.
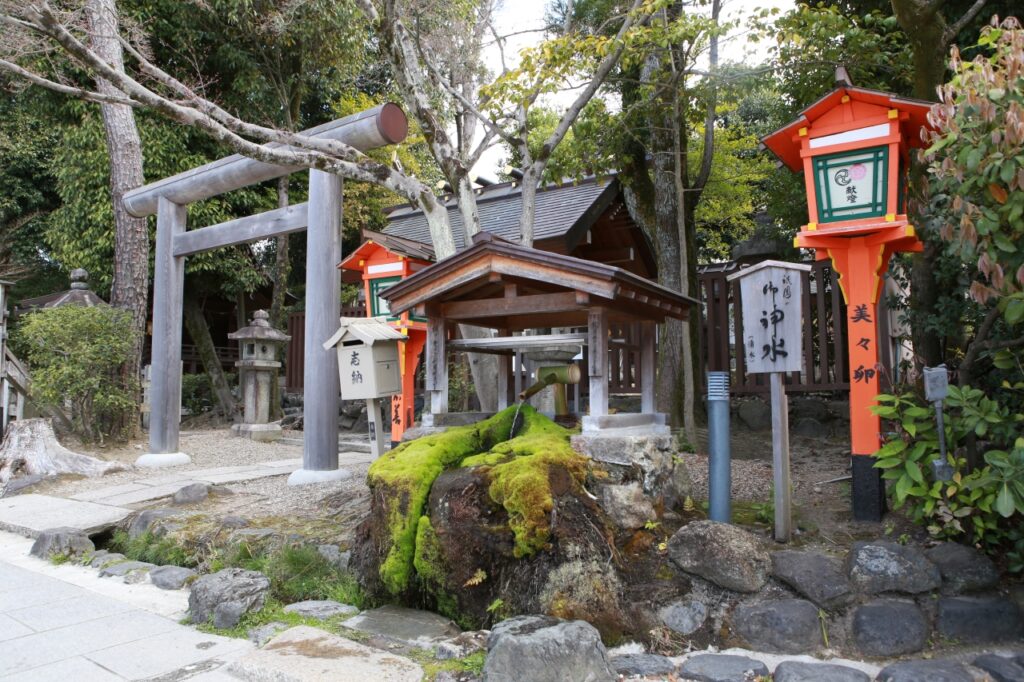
(770, 295)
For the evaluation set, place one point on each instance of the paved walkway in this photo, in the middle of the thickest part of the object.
(64, 623)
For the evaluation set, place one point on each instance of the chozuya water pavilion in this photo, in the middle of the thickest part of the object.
(505, 287)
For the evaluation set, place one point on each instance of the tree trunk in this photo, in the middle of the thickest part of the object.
(282, 270)
(926, 31)
(30, 451)
(131, 237)
(199, 330)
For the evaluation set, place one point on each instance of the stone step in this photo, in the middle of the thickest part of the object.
(31, 514)
(304, 653)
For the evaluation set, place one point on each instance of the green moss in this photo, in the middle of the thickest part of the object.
(518, 470)
(408, 472)
(520, 475)
(431, 570)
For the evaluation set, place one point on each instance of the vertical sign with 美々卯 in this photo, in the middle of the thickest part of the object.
(770, 295)
(772, 343)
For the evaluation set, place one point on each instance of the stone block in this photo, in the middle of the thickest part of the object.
(685, 616)
(1001, 668)
(963, 569)
(884, 566)
(788, 626)
(925, 671)
(545, 649)
(722, 668)
(170, 577)
(642, 665)
(889, 627)
(798, 671)
(726, 555)
(814, 575)
(978, 619)
(68, 542)
(321, 609)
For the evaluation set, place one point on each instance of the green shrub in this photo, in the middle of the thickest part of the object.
(982, 506)
(196, 393)
(76, 355)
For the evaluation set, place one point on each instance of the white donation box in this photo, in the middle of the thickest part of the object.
(368, 367)
(367, 358)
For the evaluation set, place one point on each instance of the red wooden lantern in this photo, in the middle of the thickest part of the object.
(379, 267)
(853, 148)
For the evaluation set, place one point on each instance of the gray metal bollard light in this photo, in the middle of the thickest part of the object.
(719, 471)
(936, 389)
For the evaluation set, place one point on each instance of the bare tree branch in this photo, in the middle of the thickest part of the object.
(70, 91)
(954, 29)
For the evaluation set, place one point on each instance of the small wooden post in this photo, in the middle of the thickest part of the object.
(597, 342)
(780, 458)
(771, 294)
(376, 427)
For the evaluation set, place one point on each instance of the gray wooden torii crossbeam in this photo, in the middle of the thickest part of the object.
(321, 216)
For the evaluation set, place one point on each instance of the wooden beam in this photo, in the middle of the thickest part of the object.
(377, 127)
(243, 230)
(516, 343)
(519, 305)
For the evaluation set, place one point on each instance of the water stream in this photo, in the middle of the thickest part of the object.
(515, 421)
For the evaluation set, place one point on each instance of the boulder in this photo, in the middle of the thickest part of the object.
(545, 649)
(925, 671)
(137, 576)
(264, 633)
(321, 610)
(755, 414)
(978, 619)
(963, 569)
(157, 522)
(626, 505)
(685, 616)
(247, 589)
(462, 645)
(798, 671)
(808, 427)
(889, 627)
(726, 555)
(722, 668)
(100, 560)
(642, 665)
(814, 575)
(884, 566)
(67, 542)
(335, 556)
(809, 408)
(1001, 668)
(788, 626)
(191, 493)
(122, 568)
(228, 614)
(171, 577)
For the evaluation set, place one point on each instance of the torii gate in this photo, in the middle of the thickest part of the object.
(320, 216)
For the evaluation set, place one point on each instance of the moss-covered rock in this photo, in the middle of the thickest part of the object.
(465, 531)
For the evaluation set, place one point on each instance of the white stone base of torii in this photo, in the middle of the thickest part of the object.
(320, 217)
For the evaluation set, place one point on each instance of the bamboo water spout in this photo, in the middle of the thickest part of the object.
(559, 375)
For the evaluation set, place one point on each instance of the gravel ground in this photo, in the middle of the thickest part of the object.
(208, 449)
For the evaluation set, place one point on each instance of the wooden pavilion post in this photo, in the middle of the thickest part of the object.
(437, 362)
(648, 336)
(597, 340)
(503, 375)
(168, 291)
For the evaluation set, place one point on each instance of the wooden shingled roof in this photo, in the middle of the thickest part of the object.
(502, 285)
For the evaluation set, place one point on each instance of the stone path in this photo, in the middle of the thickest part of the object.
(64, 623)
(31, 514)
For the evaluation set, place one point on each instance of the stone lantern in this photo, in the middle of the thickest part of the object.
(260, 343)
